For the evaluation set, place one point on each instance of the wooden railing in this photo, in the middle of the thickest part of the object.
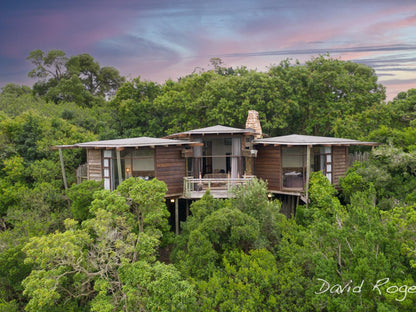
(357, 156)
(219, 187)
(82, 173)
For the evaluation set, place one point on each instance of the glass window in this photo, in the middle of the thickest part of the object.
(106, 184)
(143, 160)
(328, 168)
(139, 163)
(293, 166)
(323, 160)
(134, 163)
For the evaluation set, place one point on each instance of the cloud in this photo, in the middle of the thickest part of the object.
(401, 82)
(315, 51)
(395, 69)
(129, 45)
(160, 39)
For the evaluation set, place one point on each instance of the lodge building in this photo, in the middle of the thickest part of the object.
(218, 158)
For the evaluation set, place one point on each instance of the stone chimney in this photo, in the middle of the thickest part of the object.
(253, 122)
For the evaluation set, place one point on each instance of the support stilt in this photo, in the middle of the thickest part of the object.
(120, 178)
(177, 216)
(308, 168)
(61, 158)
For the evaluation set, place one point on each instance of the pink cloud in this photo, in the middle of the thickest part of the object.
(394, 88)
(388, 22)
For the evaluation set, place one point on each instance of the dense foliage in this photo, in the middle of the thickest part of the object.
(88, 249)
(304, 99)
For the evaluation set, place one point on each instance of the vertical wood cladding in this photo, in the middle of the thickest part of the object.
(95, 170)
(340, 162)
(268, 166)
(170, 168)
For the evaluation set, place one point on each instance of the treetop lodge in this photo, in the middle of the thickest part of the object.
(217, 159)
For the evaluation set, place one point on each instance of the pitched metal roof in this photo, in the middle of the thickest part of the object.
(296, 139)
(218, 129)
(132, 142)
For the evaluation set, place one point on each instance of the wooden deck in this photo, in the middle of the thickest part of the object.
(219, 188)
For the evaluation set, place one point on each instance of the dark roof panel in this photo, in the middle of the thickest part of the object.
(295, 139)
(218, 129)
(132, 142)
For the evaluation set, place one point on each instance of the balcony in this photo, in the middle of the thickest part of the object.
(195, 188)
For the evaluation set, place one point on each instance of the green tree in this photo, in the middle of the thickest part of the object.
(325, 88)
(252, 199)
(249, 221)
(48, 65)
(147, 203)
(403, 219)
(136, 114)
(248, 282)
(97, 80)
(156, 287)
(79, 78)
(392, 173)
(343, 246)
(290, 98)
(81, 196)
(14, 90)
(91, 265)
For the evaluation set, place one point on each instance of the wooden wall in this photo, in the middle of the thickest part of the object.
(339, 163)
(95, 170)
(268, 166)
(170, 168)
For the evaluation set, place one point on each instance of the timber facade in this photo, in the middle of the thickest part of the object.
(170, 167)
(268, 166)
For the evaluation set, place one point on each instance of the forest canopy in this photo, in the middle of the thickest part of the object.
(89, 249)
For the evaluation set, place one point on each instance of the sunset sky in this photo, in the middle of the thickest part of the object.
(162, 39)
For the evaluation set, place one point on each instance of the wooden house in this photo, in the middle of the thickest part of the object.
(113, 161)
(286, 161)
(219, 158)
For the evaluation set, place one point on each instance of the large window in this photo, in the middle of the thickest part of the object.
(294, 164)
(293, 167)
(217, 154)
(218, 158)
(139, 163)
(322, 161)
(134, 163)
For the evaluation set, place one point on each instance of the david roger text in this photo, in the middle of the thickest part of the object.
(380, 286)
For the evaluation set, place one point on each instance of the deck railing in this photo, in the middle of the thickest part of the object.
(357, 156)
(219, 187)
(82, 173)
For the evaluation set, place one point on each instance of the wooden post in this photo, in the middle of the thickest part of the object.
(292, 206)
(308, 168)
(177, 216)
(120, 178)
(187, 208)
(297, 203)
(63, 169)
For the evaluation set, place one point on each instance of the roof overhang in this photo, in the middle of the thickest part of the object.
(214, 130)
(309, 140)
(128, 143)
